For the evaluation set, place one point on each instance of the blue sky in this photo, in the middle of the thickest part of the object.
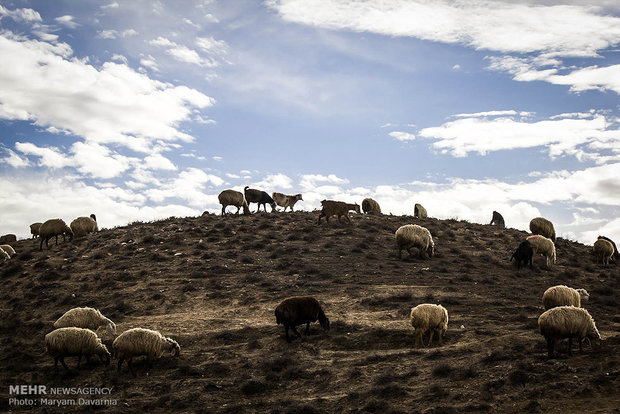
(139, 110)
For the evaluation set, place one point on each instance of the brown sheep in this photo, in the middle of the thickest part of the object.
(233, 198)
(298, 310)
(8, 238)
(498, 220)
(419, 211)
(34, 229)
(337, 208)
(51, 228)
(542, 226)
(370, 206)
(603, 250)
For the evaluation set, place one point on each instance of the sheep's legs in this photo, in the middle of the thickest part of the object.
(296, 332)
(570, 345)
(120, 363)
(580, 347)
(131, 367)
(307, 328)
(440, 339)
(400, 253)
(79, 360)
(288, 338)
(430, 340)
(62, 361)
(550, 343)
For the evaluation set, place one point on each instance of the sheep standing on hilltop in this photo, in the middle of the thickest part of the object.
(285, 201)
(8, 238)
(562, 295)
(567, 322)
(419, 211)
(542, 226)
(259, 197)
(616, 256)
(81, 226)
(34, 229)
(139, 341)
(370, 206)
(428, 317)
(412, 235)
(543, 246)
(233, 198)
(51, 228)
(89, 318)
(337, 208)
(603, 249)
(74, 341)
(497, 220)
(298, 310)
(523, 254)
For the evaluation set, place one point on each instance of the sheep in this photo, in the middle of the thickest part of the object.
(140, 341)
(543, 246)
(543, 227)
(616, 256)
(370, 206)
(429, 317)
(523, 254)
(419, 211)
(567, 322)
(337, 208)
(233, 198)
(51, 228)
(259, 197)
(8, 249)
(603, 249)
(74, 341)
(4, 255)
(85, 318)
(8, 238)
(412, 235)
(34, 229)
(285, 201)
(562, 295)
(81, 226)
(498, 220)
(298, 310)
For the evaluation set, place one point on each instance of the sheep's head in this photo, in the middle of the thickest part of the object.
(111, 327)
(583, 294)
(298, 197)
(357, 208)
(246, 209)
(69, 232)
(324, 321)
(173, 347)
(104, 353)
(430, 250)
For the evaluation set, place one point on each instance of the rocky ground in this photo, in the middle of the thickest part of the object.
(212, 283)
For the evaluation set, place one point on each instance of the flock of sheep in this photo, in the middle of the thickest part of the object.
(75, 333)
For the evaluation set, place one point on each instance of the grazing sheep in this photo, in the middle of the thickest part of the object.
(89, 318)
(74, 341)
(4, 255)
(337, 208)
(81, 226)
(412, 235)
(8, 249)
(51, 228)
(603, 249)
(233, 198)
(370, 206)
(8, 238)
(298, 310)
(429, 317)
(34, 229)
(543, 246)
(419, 211)
(567, 322)
(523, 254)
(285, 201)
(139, 341)
(616, 256)
(498, 220)
(543, 227)
(562, 295)
(259, 197)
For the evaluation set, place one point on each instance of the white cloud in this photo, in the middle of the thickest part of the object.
(14, 160)
(119, 58)
(49, 157)
(67, 21)
(107, 34)
(158, 162)
(20, 15)
(583, 136)
(274, 182)
(39, 82)
(402, 136)
(150, 63)
(113, 5)
(217, 158)
(187, 186)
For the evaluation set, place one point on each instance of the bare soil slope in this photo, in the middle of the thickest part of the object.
(212, 283)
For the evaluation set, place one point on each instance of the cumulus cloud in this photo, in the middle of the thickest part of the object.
(402, 136)
(67, 21)
(20, 15)
(14, 160)
(274, 181)
(582, 135)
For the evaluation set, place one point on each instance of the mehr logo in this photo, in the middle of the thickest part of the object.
(27, 389)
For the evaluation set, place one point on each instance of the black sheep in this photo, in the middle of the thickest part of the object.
(498, 220)
(259, 197)
(298, 310)
(523, 254)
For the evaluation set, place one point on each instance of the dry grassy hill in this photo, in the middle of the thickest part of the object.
(213, 282)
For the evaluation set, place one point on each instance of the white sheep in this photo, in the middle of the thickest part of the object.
(429, 317)
(285, 201)
(567, 322)
(233, 198)
(4, 255)
(74, 342)
(81, 226)
(140, 341)
(562, 295)
(8, 249)
(89, 318)
(603, 249)
(412, 235)
(543, 246)
(542, 226)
